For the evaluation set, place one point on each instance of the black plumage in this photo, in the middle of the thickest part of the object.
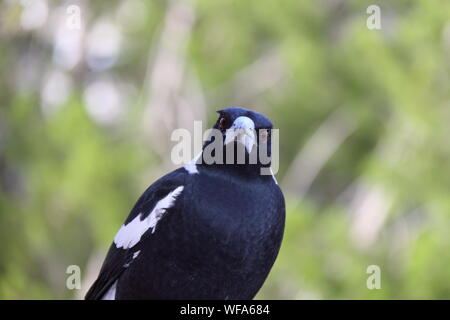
(218, 239)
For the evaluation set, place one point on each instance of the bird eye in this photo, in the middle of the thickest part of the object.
(223, 123)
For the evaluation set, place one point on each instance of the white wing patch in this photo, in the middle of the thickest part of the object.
(191, 167)
(135, 255)
(130, 234)
(111, 293)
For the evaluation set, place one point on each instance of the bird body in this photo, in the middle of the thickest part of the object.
(200, 232)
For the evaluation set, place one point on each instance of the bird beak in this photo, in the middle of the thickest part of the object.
(243, 130)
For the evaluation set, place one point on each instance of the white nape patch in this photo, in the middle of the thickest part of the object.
(243, 129)
(111, 293)
(191, 167)
(130, 234)
(273, 176)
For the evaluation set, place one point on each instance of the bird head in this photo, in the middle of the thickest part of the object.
(239, 126)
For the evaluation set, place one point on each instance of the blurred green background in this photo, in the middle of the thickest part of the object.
(86, 113)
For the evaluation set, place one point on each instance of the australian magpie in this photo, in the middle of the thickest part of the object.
(208, 230)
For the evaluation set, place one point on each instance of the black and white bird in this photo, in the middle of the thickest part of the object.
(203, 231)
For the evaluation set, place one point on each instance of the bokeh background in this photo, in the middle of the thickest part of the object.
(86, 116)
